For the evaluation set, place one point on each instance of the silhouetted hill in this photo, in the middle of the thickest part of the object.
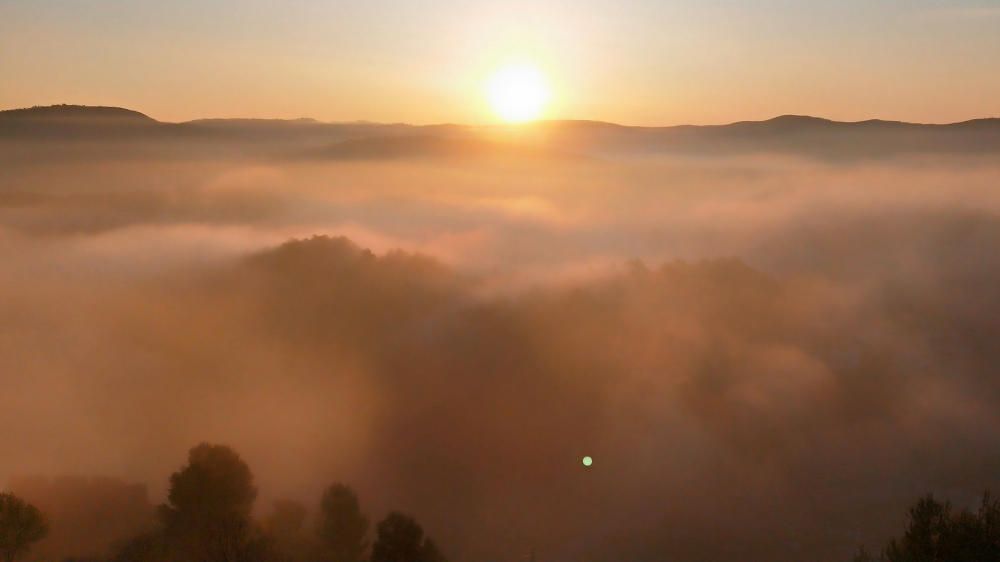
(306, 138)
(69, 122)
(75, 113)
(787, 134)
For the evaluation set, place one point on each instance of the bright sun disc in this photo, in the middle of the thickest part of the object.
(518, 93)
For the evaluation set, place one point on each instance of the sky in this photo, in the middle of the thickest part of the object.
(643, 62)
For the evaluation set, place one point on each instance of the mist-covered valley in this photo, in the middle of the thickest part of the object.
(770, 337)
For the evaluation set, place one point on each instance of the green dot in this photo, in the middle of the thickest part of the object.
(587, 461)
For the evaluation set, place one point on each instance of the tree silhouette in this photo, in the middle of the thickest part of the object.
(935, 533)
(925, 533)
(207, 515)
(342, 527)
(21, 525)
(87, 515)
(401, 539)
(216, 483)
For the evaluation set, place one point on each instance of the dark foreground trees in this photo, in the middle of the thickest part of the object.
(937, 533)
(207, 518)
(87, 516)
(342, 527)
(207, 514)
(21, 525)
(400, 539)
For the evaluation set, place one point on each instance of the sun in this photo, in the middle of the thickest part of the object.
(518, 92)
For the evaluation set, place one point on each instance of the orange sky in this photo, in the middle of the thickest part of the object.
(637, 62)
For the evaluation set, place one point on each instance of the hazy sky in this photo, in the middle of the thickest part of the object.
(630, 61)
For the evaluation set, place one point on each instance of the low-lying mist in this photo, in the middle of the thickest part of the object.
(767, 357)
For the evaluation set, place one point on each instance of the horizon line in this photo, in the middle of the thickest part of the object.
(501, 124)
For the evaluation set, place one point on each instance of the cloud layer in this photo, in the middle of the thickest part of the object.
(767, 358)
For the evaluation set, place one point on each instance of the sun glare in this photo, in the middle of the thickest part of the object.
(518, 93)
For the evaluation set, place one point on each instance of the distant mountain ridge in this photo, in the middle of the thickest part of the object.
(311, 139)
(791, 121)
(67, 111)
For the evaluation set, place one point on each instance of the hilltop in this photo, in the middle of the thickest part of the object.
(75, 112)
